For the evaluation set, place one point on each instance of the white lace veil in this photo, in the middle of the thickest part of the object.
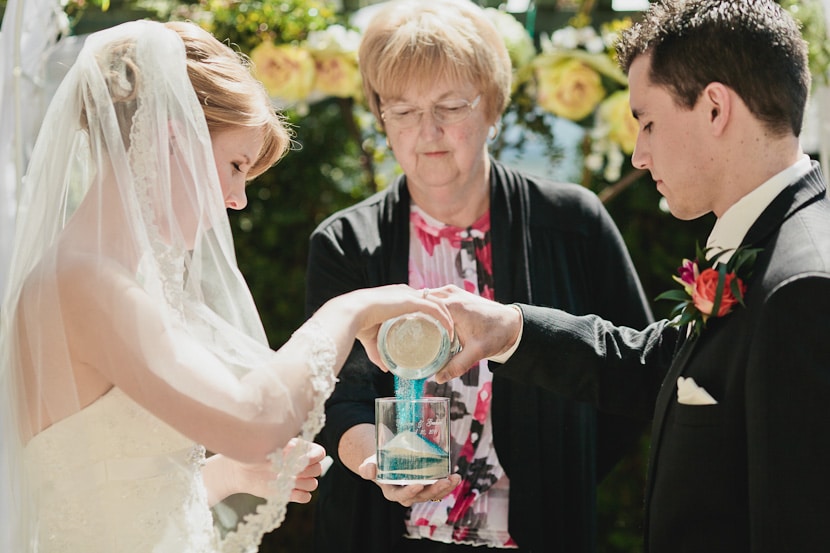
(124, 267)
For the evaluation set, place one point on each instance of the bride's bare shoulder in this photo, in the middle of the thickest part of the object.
(72, 277)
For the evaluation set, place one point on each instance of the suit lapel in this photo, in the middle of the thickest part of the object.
(664, 397)
(793, 198)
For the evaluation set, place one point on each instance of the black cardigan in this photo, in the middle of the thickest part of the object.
(553, 245)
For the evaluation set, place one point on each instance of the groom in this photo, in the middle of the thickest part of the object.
(740, 454)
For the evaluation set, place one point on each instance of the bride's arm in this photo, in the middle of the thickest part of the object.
(116, 329)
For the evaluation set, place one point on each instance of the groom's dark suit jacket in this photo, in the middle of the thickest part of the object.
(751, 473)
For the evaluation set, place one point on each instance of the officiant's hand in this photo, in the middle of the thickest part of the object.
(412, 493)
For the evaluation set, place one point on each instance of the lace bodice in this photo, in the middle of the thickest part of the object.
(133, 485)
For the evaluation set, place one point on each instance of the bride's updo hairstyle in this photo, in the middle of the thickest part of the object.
(119, 70)
(229, 94)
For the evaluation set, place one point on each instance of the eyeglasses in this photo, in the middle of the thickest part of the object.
(447, 112)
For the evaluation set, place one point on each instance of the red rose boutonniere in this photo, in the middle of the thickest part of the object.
(711, 288)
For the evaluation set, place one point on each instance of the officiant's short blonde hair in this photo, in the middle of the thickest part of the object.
(411, 44)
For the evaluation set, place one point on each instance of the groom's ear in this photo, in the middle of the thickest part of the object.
(717, 99)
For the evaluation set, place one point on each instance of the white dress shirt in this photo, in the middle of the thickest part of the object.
(731, 227)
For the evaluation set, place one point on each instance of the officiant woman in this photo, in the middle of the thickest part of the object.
(526, 462)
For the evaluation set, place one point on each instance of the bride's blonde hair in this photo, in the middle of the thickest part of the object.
(229, 94)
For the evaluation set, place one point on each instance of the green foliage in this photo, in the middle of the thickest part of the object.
(86, 16)
(810, 14)
(620, 500)
(535, 125)
(248, 23)
(325, 172)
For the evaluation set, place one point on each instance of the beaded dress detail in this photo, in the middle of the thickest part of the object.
(143, 474)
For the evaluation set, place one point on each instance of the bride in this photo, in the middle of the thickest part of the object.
(130, 341)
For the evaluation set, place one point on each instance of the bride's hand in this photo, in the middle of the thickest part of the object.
(257, 479)
(384, 302)
(224, 476)
(306, 481)
(358, 315)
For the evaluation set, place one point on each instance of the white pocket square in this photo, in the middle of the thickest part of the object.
(689, 393)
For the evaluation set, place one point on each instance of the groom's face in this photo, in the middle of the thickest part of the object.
(671, 144)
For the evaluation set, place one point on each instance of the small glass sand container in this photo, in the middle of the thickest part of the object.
(415, 345)
(413, 440)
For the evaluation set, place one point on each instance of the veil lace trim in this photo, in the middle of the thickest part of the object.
(168, 259)
(248, 535)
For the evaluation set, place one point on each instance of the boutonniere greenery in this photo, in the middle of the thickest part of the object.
(710, 288)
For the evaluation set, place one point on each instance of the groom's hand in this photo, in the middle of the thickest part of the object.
(485, 328)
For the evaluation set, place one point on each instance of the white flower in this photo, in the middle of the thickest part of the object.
(612, 172)
(586, 34)
(567, 38)
(613, 167)
(594, 162)
(335, 38)
(610, 37)
(595, 45)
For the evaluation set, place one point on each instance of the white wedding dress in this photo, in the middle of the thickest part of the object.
(135, 487)
(124, 272)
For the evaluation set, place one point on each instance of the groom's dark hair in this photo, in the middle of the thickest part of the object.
(752, 46)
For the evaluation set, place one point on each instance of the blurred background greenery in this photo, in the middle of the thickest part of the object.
(339, 158)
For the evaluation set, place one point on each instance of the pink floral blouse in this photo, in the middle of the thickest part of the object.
(475, 513)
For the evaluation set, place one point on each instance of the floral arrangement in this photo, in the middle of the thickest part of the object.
(576, 77)
(304, 51)
(324, 65)
(518, 41)
(301, 50)
(710, 288)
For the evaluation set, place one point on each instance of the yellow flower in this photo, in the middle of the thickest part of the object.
(286, 71)
(568, 88)
(337, 74)
(616, 115)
